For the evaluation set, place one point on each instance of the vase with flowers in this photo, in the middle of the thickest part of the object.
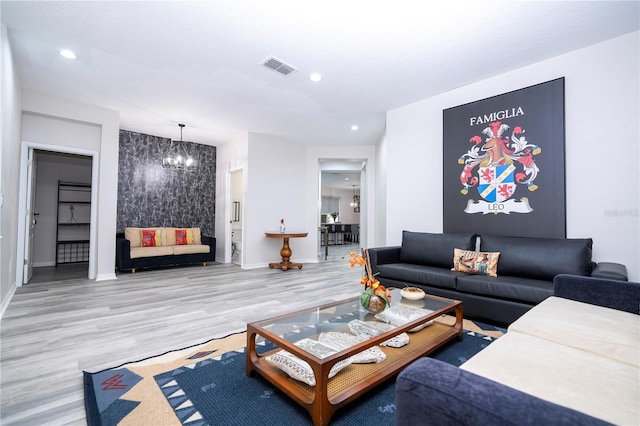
(375, 297)
(283, 228)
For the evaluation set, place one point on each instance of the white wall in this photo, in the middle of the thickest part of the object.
(10, 97)
(281, 179)
(229, 157)
(276, 190)
(602, 155)
(57, 122)
(381, 191)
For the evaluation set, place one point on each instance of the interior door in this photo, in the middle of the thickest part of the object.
(30, 220)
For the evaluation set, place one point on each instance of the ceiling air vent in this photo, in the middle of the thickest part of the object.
(278, 66)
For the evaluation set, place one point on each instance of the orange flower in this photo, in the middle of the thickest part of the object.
(371, 285)
(356, 260)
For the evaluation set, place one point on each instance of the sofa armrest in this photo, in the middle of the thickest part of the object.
(614, 294)
(610, 270)
(431, 392)
(382, 255)
(210, 241)
(123, 253)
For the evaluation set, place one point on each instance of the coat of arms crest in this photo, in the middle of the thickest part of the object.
(496, 166)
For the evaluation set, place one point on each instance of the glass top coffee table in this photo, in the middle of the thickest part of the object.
(297, 331)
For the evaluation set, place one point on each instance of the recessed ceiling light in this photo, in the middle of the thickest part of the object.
(346, 178)
(315, 77)
(354, 127)
(68, 54)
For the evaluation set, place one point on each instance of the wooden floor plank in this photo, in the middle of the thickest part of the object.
(53, 328)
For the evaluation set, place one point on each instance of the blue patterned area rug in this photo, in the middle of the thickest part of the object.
(206, 385)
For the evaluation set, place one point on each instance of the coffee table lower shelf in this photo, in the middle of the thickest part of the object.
(354, 380)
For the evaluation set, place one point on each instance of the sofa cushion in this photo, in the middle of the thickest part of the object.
(191, 249)
(583, 381)
(511, 288)
(475, 262)
(541, 258)
(421, 248)
(606, 332)
(134, 236)
(170, 236)
(433, 392)
(427, 275)
(137, 252)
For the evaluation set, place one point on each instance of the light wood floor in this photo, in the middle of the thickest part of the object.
(53, 330)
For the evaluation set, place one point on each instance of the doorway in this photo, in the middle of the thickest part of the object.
(237, 213)
(341, 218)
(41, 251)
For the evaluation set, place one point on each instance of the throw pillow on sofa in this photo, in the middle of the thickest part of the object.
(150, 238)
(476, 262)
(181, 237)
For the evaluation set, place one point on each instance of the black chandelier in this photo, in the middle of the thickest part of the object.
(177, 156)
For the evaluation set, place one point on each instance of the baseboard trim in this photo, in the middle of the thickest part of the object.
(43, 264)
(106, 277)
(5, 302)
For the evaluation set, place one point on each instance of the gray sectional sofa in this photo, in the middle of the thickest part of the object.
(525, 270)
(574, 359)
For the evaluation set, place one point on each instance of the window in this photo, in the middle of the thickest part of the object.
(330, 204)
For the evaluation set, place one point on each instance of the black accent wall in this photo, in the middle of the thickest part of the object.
(150, 195)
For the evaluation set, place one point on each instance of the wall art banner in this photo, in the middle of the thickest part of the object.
(504, 164)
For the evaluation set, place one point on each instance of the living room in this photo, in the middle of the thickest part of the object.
(602, 200)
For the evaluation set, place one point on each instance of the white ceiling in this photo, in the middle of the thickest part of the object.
(170, 62)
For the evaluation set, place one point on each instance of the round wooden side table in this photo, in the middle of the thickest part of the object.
(285, 251)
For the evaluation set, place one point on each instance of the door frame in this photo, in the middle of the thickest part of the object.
(229, 221)
(22, 203)
(30, 220)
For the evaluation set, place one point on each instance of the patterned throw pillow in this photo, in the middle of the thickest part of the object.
(181, 237)
(190, 237)
(399, 315)
(300, 370)
(342, 341)
(148, 238)
(369, 329)
(476, 262)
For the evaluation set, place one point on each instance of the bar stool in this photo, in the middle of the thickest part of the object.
(347, 233)
(355, 233)
(340, 234)
(331, 234)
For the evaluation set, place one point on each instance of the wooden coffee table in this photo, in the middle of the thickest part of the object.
(323, 399)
